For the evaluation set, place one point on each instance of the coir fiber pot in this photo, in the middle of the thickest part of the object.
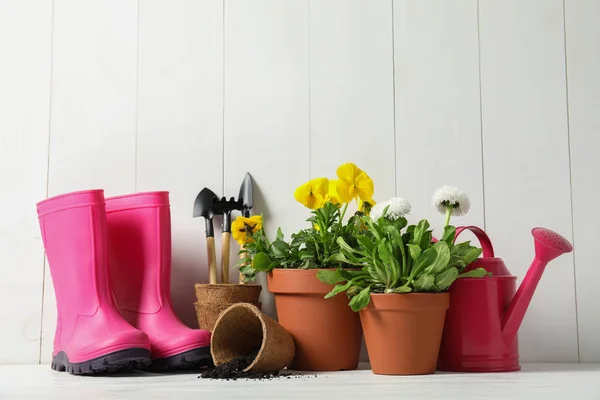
(227, 293)
(242, 329)
(207, 314)
(403, 332)
(327, 333)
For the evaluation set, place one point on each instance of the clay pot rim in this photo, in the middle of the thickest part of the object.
(306, 270)
(257, 315)
(298, 281)
(414, 302)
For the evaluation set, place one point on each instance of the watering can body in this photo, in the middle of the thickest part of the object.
(473, 340)
(480, 330)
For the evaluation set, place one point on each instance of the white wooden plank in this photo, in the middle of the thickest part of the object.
(92, 134)
(25, 45)
(526, 159)
(438, 126)
(352, 90)
(180, 125)
(266, 109)
(543, 381)
(583, 66)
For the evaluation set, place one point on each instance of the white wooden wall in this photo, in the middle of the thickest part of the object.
(498, 97)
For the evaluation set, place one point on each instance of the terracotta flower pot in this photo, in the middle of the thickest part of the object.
(327, 333)
(403, 332)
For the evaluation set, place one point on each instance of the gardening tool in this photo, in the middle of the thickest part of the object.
(225, 207)
(246, 197)
(480, 331)
(204, 206)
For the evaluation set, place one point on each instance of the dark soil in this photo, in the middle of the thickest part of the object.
(233, 370)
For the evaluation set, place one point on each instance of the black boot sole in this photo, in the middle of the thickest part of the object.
(119, 361)
(192, 359)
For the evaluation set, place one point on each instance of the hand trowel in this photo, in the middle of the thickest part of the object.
(246, 197)
(204, 207)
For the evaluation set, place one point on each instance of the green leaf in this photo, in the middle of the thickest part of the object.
(419, 232)
(394, 264)
(449, 234)
(425, 259)
(366, 243)
(338, 289)
(345, 246)
(403, 289)
(415, 251)
(400, 223)
(476, 273)
(261, 262)
(442, 257)
(372, 227)
(349, 275)
(339, 257)
(361, 300)
(425, 283)
(280, 249)
(395, 235)
(384, 252)
(446, 278)
(462, 254)
(380, 271)
(279, 235)
(472, 255)
(329, 277)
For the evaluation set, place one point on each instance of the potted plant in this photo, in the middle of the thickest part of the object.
(400, 292)
(327, 333)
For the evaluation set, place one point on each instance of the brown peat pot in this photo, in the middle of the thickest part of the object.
(242, 329)
(327, 333)
(403, 332)
(207, 293)
(212, 299)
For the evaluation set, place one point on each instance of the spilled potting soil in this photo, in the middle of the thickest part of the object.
(234, 370)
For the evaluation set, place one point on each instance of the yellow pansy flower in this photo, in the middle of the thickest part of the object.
(242, 228)
(365, 206)
(332, 194)
(354, 182)
(312, 193)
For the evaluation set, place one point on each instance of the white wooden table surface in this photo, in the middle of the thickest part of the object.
(534, 381)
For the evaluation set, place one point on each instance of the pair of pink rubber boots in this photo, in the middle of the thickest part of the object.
(110, 262)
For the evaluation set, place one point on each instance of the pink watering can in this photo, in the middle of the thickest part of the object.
(480, 331)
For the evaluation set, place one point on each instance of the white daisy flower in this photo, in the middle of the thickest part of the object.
(450, 201)
(397, 207)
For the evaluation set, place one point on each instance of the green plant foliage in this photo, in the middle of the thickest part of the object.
(311, 248)
(396, 258)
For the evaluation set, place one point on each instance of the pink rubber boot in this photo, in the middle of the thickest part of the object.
(139, 229)
(91, 336)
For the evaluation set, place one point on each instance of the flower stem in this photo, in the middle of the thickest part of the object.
(448, 214)
(337, 231)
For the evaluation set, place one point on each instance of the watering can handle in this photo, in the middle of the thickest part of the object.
(484, 240)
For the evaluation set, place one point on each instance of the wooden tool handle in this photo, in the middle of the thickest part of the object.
(241, 277)
(212, 260)
(225, 257)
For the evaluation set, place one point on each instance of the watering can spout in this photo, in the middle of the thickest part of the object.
(548, 246)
